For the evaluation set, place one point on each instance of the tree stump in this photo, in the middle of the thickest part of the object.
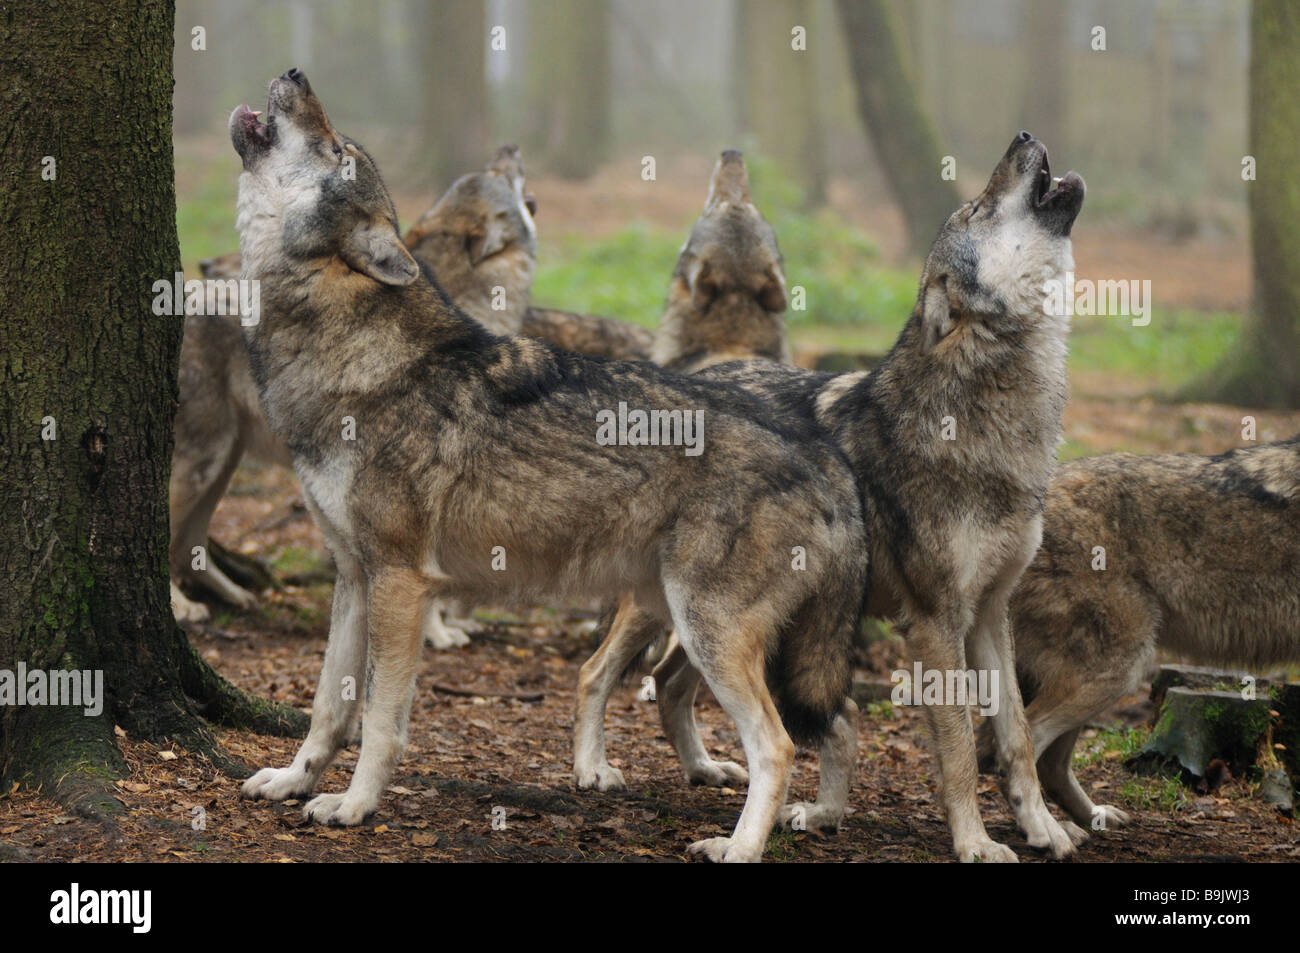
(1197, 727)
(1201, 679)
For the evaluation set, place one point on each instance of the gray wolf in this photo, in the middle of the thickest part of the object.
(475, 470)
(725, 302)
(1196, 555)
(480, 234)
(953, 441)
(727, 293)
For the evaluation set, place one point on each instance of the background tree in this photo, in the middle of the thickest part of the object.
(776, 94)
(83, 547)
(568, 85)
(1044, 44)
(451, 40)
(1264, 368)
(901, 134)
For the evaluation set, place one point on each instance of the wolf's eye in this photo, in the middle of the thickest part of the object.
(338, 151)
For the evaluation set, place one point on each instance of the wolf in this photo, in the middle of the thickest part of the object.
(727, 292)
(477, 468)
(481, 242)
(1196, 555)
(952, 438)
(725, 302)
(480, 234)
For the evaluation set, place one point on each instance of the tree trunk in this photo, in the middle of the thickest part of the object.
(569, 75)
(452, 38)
(1044, 41)
(776, 93)
(903, 137)
(1263, 370)
(89, 391)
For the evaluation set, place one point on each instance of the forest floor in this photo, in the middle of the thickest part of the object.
(505, 753)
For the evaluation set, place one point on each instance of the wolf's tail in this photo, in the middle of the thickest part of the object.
(811, 670)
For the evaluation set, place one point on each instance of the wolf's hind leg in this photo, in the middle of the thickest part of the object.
(197, 486)
(734, 668)
(631, 631)
(1055, 767)
(439, 634)
(836, 763)
(676, 682)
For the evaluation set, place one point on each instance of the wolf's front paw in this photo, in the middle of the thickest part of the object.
(717, 774)
(720, 850)
(985, 851)
(445, 637)
(802, 816)
(277, 784)
(1078, 836)
(1104, 817)
(603, 777)
(1048, 835)
(341, 809)
(185, 609)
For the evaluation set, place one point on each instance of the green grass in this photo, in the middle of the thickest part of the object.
(1162, 794)
(205, 221)
(1124, 740)
(854, 302)
(299, 560)
(1174, 348)
(882, 710)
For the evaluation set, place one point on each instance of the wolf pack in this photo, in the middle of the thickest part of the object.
(925, 492)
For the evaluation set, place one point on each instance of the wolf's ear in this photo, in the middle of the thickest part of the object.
(485, 243)
(936, 319)
(376, 251)
(703, 288)
(772, 295)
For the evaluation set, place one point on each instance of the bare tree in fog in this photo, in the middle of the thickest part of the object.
(901, 134)
(1264, 369)
(451, 42)
(568, 84)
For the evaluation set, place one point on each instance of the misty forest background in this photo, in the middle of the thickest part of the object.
(1158, 123)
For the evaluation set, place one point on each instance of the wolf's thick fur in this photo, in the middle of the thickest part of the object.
(472, 449)
(480, 234)
(1202, 560)
(725, 302)
(481, 242)
(728, 289)
(589, 333)
(953, 442)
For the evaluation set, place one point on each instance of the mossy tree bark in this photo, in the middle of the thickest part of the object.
(901, 133)
(1263, 370)
(88, 388)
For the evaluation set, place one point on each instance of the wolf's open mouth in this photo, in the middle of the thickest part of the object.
(254, 129)
(1047, 189)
